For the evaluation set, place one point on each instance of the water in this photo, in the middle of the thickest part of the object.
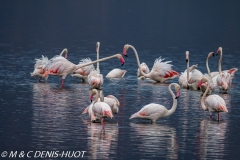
(38, 116)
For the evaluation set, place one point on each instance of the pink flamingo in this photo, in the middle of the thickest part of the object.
(187, 74)
(41, 65)
(161, 71)
(155, 111)
(60, 66)
(98, 109)
(95, 79)
(144, 68)
(213, 103)
(111, 100)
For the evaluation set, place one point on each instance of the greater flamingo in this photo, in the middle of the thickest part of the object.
(184, 77)
(62, 67)
(213, 103)
(111, 100)
(95, 79)
(203, 86)
(161, 71)
(155, 111)
(41, 65)
(116, 73)
(99, 109)
(144, 68)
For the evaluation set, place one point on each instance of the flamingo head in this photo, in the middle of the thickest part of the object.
(97, 47)
(125, 48)
(143, 67)
(177, 89)
(219, 50)
(94, 91)
(187, 54)
(121, 59)
(224, 86)
(210, 54)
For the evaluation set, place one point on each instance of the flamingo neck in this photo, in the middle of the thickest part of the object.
(89, 63)
(174, 106)
(101, 96)
(188, 70)
(97, 95)
(220, 63)
(203, 98)
(64, 52)
(138, 62)
(98, 58)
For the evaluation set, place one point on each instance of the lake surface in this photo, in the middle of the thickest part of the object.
(38, 116)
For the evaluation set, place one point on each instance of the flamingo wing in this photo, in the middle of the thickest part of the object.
(216, 103)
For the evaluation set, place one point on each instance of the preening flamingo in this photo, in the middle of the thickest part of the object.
(161, 71)
(111, 100)
(98, 109)
(144, 68)
(116, 73)
(41, 65)
(62, 67)
(203, 86)
(213, 103)
(187, 74)
(95, 79)
(155, 111)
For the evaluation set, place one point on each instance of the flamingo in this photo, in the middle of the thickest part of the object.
(161, 71)
(213, 103)
(203, 86)
(41, 65)
(184, 77)
(111, 100)
(144, 68)
(116, 73)
(95, 79)
(62, 67)
(155, 111)
(99, 109)
(223, 79)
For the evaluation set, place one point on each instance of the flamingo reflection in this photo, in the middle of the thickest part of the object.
(156, 139)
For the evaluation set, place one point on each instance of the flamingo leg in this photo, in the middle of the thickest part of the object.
(102, 123)
(218, 117)
(39, 80)
(62, 83)
(211, 116)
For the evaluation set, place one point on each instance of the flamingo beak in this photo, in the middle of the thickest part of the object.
(199, 85)
(91, 97)
(213, 54)
(177, 94)
(186, 60)
(122, 61)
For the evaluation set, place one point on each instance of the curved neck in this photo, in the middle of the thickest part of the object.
(203, 99)
(174, 106)
(64, 52)
(138, 62)
(208, 67)
(101, 96)
(97, 95)
(100, 60)
(220, 63)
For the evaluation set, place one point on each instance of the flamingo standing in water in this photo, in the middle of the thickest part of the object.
(111, 100)
(213, 103)
(116, 73)
(41, 65)
(62, 67)
(203, 86)
(99, 109)
(223, 78)
(155, 111)
(184, 77)
(161, 71)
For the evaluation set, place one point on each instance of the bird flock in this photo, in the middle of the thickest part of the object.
(102, 107)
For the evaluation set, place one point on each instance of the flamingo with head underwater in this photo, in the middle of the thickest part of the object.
(161, 71)
(155, 111)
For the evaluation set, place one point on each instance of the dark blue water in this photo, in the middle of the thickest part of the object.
(43, 117)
